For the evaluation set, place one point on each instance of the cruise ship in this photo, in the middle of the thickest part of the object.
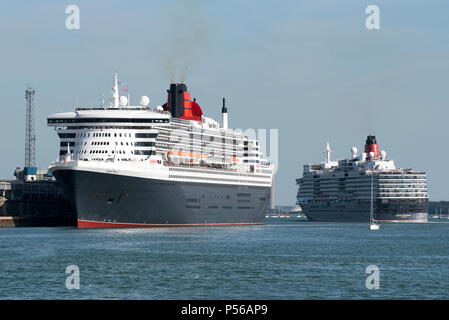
(345, 190)
(169, 165)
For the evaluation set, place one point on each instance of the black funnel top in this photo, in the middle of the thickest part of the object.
(371, 140)
(224, 109)
(176, 99)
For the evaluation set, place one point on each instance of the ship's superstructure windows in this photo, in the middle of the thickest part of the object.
(66, 135)
(64, 144)
(251, 153)
(183, 142)
(145, 135)
(145, 152)
(144, 144)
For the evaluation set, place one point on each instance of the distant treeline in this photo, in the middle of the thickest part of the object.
(437, 207)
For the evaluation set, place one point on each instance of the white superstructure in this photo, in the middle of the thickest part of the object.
(149, 142)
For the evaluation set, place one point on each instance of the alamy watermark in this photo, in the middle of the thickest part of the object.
(372, 22)
(73, 280)
(261, 136)
(72, 22)
(373, 280)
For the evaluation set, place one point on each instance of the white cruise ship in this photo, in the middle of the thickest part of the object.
(138, 166)
(345, 190)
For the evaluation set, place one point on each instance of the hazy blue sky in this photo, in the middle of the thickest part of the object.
(307, 68)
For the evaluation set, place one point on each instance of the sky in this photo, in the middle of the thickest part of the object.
(309, 69)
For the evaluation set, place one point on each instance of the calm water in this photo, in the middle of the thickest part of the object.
(285, 259)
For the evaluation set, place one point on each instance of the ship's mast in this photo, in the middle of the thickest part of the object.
(328, 153)
(115, 90)
(224, 116)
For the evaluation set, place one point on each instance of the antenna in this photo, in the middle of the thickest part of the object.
(328, 153)
(30, 137)
(125, 89)
(115, 90)
(102, 100)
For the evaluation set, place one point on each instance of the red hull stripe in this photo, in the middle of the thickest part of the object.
(99, 224)
(420, 221)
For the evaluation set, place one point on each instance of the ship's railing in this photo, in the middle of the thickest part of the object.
(192, 166)
(399, 171)
(107, 108)
(242, 169)
(124, 109)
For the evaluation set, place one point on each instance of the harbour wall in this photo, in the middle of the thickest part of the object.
(34, 204)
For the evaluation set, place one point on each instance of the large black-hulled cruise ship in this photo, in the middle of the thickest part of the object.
(341, 190)
(137, 166)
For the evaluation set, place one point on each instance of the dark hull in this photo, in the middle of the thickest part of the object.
(347, 211)
(109, 200)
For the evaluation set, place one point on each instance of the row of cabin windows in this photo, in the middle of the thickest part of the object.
(211, 138)
(245, 143)
(135, 152)
(64, 144)
(106, 143)
(254, 148)
(66, 135)
(145, 152)
(106, 134)
(97, 143)
(137, 135)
